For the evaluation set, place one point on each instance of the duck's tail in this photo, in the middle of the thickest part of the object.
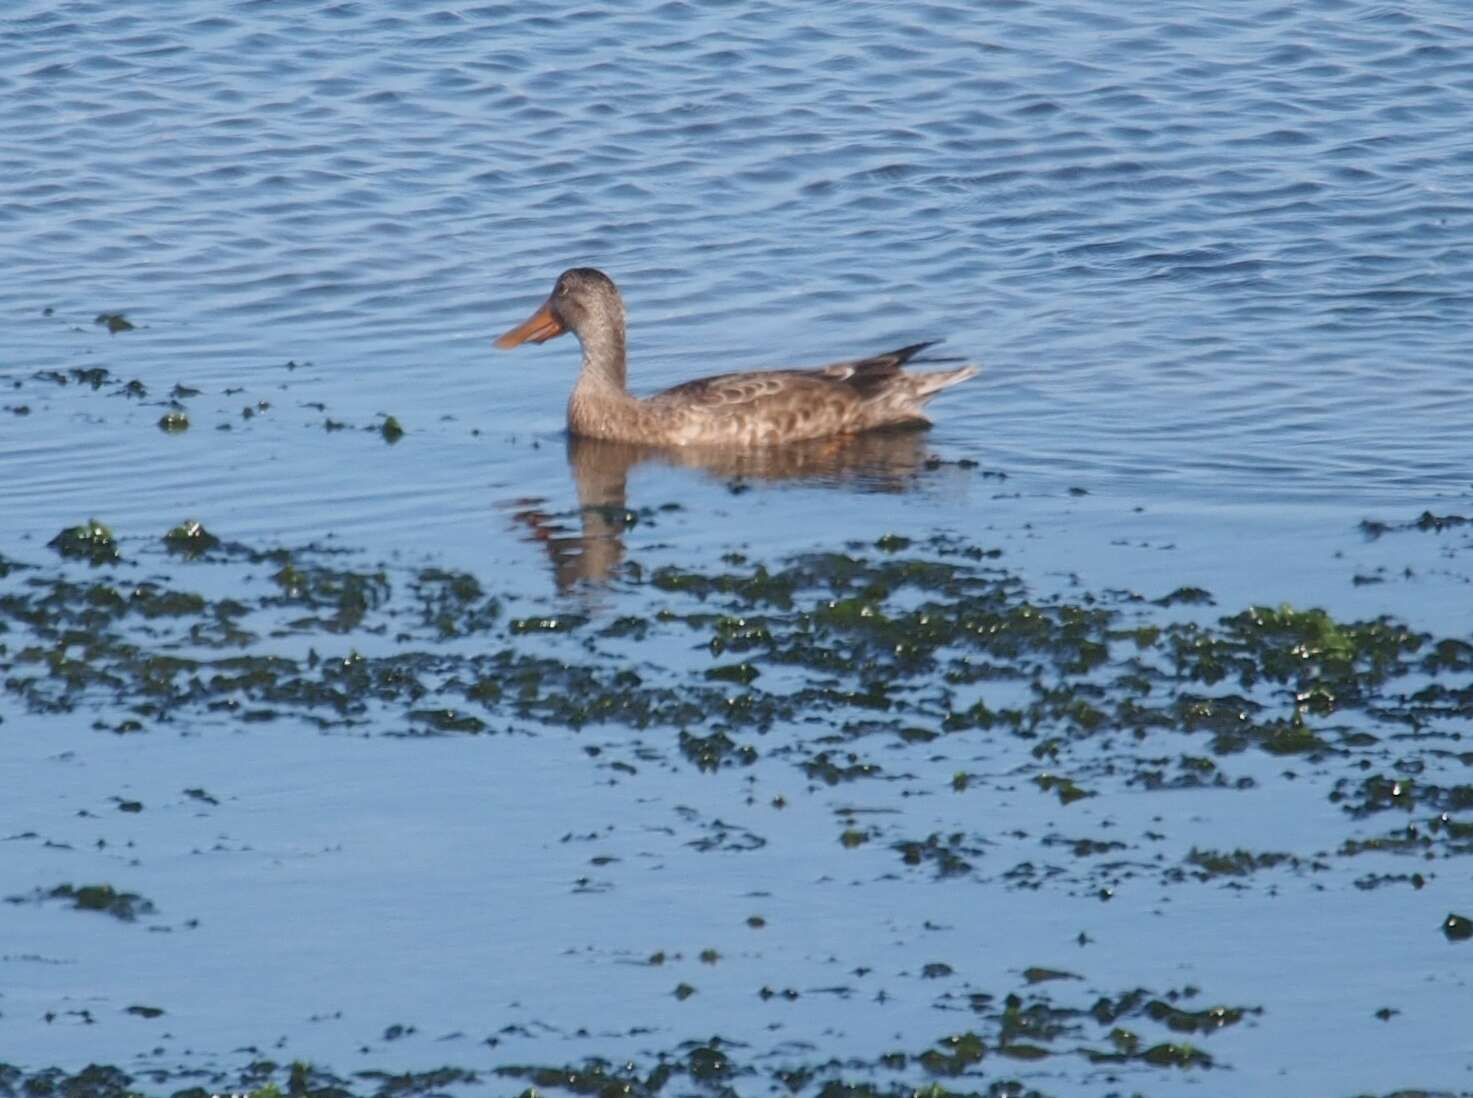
(890, 394)
(902, 402)
(921, 386)
(924, 386)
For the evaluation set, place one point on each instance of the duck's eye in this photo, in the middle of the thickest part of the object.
(562, 289)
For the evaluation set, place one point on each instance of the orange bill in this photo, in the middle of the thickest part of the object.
(537, 328)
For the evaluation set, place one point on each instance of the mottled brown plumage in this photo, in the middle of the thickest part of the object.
(761, 408)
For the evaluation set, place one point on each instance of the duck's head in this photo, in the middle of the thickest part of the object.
(584, 301)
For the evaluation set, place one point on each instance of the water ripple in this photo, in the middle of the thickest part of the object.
(1228, 248)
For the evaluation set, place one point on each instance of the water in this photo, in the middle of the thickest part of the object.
(1215, 263)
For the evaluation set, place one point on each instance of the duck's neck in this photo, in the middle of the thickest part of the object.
(600, 401)
(603, 358)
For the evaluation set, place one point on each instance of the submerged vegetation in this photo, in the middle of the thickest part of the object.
(911, 668)
(1005, 1033)
(851, 654)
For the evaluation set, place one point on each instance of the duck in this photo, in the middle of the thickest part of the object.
(755, 409)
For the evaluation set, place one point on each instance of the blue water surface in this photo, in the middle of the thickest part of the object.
(1216, 261)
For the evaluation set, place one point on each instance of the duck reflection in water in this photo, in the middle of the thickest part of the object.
(586, 548)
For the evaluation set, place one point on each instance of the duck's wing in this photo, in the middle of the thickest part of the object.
(779, 406)
(738, 391)
(853, 378)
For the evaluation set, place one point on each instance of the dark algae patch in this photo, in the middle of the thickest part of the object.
(1458, 928)
(1426, 522)
(190, 540)
(114, 322)
(91, 541)
(125, 906)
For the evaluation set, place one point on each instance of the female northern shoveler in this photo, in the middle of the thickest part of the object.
(762, 408)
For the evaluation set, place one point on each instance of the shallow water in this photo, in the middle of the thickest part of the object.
(1216, 266)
